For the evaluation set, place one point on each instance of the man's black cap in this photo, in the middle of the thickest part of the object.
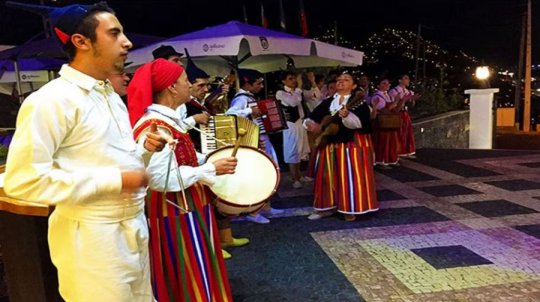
(165, 51)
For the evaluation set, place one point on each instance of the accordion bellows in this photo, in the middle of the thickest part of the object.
(225, 129)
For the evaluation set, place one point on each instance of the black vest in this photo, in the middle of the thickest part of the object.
(344, 134)
(191, 110)
(292, 114)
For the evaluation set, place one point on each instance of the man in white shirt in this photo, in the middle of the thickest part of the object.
(74, 148)
(244, 104)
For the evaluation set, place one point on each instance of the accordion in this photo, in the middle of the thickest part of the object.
(225, 129)
(273, 119)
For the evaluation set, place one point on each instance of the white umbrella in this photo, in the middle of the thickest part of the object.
(234, 44)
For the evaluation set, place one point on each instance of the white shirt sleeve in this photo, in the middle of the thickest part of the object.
(201, 158)
(292, 99)
(187, 123)
(239, 106)
(352, 121)
(144, 153)
(312, 98)
(312, 95)
(157, 170)
(32, 175)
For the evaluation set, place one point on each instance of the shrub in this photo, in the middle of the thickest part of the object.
(436, 100)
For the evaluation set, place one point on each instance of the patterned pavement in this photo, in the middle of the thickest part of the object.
(454, 225)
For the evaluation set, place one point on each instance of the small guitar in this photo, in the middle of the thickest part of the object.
(330, 123)
(219, 102)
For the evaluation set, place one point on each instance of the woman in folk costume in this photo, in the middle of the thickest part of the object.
(404, 96)
(186, 259)
(295, 140)
(386, 141)
(344, 178)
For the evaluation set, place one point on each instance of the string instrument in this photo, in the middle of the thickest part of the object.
(218, 101)
(330, 123)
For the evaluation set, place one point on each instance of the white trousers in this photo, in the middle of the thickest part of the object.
(99, 261)
(295, 143)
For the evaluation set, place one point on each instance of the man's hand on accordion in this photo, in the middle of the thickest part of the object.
(225, 165)
(201, 118)
(255, 112)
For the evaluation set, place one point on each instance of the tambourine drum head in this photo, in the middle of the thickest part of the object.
(255, 180)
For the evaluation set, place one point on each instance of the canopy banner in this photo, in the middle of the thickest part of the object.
(25, 76)
(234, 44)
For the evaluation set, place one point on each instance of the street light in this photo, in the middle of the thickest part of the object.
(482, 74)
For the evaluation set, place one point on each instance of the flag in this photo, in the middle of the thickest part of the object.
(282, 16)
(264, 21)
(245, 13)
(303, 20)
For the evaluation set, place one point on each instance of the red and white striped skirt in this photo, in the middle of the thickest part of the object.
(344, 178)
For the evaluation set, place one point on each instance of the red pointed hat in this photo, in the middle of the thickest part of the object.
(148, 80)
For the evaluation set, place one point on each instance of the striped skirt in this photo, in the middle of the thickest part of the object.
(344, 178)
(406, 134)
(185, 251)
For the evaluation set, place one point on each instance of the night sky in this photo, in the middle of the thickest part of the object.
(487, 29)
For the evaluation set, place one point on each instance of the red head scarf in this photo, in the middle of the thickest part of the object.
(148, 80)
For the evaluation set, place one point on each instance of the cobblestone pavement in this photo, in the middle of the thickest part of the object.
(454, 225)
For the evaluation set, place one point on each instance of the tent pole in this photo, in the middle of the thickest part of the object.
(237, 80)
(235, 64)
(19, 84)
(247, 56)
(265, 87)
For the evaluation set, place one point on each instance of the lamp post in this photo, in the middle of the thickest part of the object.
(482, 111)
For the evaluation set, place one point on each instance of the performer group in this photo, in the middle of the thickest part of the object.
(135, 214)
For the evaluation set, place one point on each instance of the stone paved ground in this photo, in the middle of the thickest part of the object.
(454, 225)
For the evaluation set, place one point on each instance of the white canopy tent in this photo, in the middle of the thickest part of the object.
(234, 44)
